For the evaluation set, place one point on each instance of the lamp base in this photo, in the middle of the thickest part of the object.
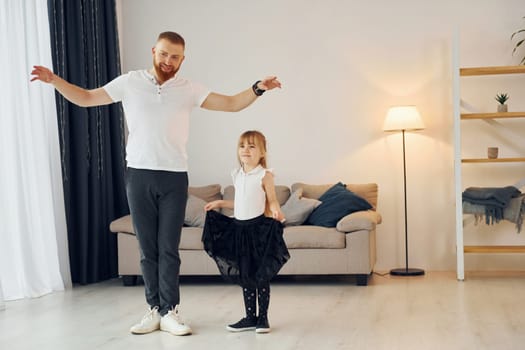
(407, 272)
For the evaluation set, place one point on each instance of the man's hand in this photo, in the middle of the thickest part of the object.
(238, 102)
(269, 83)
(43, 74)
(79, 96)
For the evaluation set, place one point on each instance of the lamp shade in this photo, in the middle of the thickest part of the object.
(403, 118)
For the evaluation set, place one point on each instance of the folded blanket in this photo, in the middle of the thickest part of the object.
(499, 196)
(514, 212)
(493, 199)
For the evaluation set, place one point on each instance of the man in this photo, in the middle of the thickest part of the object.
(157, 104)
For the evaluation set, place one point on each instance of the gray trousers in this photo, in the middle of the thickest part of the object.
(157, 202)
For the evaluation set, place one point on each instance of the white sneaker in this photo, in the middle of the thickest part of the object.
(172, 323)
(149, 323)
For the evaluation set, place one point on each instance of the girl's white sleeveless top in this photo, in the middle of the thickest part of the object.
(250, 198)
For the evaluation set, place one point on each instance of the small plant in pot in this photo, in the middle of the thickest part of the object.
(502, 98)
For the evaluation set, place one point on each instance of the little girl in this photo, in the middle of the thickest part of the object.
(249, 249)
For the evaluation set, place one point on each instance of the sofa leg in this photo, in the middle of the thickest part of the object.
(361, 279)
(129, 280)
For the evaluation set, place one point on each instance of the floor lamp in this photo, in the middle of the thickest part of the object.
(404, 118)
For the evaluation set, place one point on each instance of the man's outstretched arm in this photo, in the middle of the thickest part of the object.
(235, 103)
(77, 95)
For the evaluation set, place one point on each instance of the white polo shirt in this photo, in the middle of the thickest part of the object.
(157, 117)
(250, 198)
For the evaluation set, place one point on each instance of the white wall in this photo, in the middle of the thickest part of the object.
(342, 64)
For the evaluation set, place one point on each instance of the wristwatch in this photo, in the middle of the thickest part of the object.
(256, 89)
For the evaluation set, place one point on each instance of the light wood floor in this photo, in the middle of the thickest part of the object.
(435, 311)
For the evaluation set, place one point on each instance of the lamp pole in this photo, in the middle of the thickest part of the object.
(406, 271)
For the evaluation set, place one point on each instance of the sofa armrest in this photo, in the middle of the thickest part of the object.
(123, 224)
(359, 220)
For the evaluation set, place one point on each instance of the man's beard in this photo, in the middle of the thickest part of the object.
(161, 75)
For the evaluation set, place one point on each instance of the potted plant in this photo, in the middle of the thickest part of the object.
(518, 44)
(502, 98)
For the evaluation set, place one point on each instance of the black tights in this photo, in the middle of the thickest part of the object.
(250, 302)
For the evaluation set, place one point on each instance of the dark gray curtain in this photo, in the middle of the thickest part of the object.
(85, 52)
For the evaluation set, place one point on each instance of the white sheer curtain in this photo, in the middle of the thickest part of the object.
(33, 236)
(2, 303)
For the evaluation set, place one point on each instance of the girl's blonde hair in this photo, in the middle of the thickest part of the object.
(257, 138)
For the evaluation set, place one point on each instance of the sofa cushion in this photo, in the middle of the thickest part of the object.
(297, 208)
(191, 239)
(367, 191)
(195, 213)
(122, 224)
(360, 220)
(305, 237)
(190, 236)
(195, 216)
(336, 203)
(281, 192)
(206, 193)
(228, 195)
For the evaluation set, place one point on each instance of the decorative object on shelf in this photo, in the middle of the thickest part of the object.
(502, 98)
(492, 152)
(404, 118)
(518, 44)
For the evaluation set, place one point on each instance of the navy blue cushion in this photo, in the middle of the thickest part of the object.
(337, 202)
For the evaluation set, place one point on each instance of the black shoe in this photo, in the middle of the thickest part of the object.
(262, 325)
(245, 324)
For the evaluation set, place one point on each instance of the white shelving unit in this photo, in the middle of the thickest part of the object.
(459, 74)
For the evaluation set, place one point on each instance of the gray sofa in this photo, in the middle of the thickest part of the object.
(349, 248)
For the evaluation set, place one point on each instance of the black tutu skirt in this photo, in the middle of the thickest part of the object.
(247, 252)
